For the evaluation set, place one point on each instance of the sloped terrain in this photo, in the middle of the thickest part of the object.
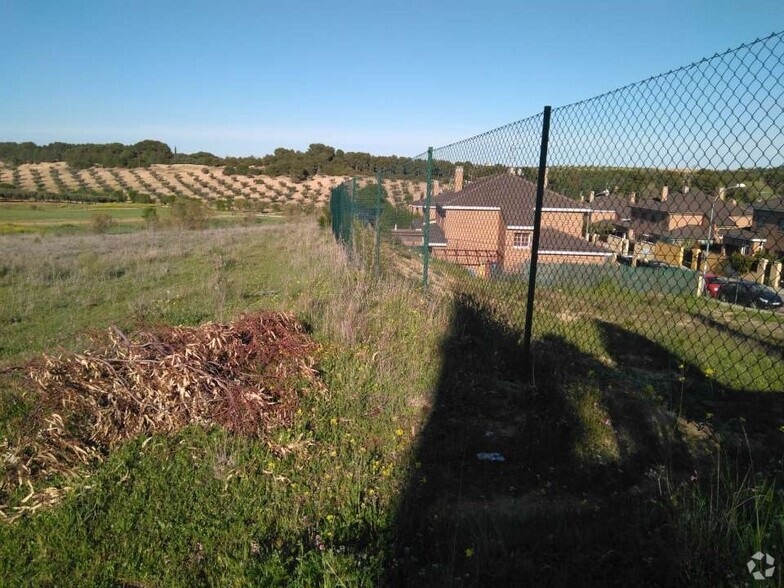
(194, 181)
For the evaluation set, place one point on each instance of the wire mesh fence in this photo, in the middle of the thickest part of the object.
(650, 217)
(366, 212)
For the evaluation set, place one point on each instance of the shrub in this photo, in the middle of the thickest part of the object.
(101, 222)
(741, 263)
(190, 214)
(150, 216)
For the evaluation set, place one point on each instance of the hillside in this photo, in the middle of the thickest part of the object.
(195, 181)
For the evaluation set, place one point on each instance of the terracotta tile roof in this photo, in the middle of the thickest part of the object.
(618, 203)
(694, 202)
(555, 240)
(773, 237)
(747, 235)
(686, 232)
(437, 236)
(513, 195)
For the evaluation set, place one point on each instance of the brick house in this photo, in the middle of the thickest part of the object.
(608, 210)
(683, 216)
(489, 223)
(766, 230)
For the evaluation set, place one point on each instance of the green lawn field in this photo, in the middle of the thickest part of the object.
(52, 213)
(54, 217)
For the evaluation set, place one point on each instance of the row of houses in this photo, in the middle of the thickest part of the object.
(686, 215)
(488, 223)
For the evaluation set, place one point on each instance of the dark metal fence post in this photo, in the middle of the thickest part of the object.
(540, 187)
(426, 220)
(379, 194)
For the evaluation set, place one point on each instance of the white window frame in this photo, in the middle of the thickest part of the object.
(523, 234)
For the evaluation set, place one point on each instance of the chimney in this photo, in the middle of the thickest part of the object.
(590, 196)
(633, 198)
(665, 192)
(582, 198)
(458, 178)
(733, 202)
(436, 188)
(686, 189)
(722, 192)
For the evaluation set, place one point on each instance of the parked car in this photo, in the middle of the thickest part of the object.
(713, 284)
(653, 263)
(750, 294)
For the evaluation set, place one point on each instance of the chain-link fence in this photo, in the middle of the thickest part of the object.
(366, 212)
(650, 218)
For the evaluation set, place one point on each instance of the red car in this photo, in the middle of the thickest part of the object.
(713, 284)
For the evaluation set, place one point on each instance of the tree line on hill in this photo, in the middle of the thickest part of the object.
(84, 155)
(323, 159)
(749, 185)
(299, 165)
(573, 181)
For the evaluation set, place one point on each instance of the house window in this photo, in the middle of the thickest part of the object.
(522, 240)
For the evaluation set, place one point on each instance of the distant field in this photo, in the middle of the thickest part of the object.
(194, 181)
(28, 217)
(53, 213)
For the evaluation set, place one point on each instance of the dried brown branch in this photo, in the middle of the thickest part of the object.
(244, 376)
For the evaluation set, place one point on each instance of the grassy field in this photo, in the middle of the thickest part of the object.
(52, 217)
(47, 216)
(609, 476)
(47, 212)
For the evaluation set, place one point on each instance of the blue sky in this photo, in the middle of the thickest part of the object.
(242, 78)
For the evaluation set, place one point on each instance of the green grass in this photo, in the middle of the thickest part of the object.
(70, 218)
(49, 212)
(379, 483)
(142, 517)
(55, 287)
(738, 348)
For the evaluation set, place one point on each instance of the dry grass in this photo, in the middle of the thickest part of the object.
(245, 376)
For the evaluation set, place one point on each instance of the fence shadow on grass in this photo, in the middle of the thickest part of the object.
(568, 505)
(771, 347)
(751, 414)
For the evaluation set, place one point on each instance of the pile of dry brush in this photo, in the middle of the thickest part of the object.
(245, 376)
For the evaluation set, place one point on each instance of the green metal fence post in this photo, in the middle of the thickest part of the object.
(380, 179)
(426, 220)
(334, 208)
(350, 220)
